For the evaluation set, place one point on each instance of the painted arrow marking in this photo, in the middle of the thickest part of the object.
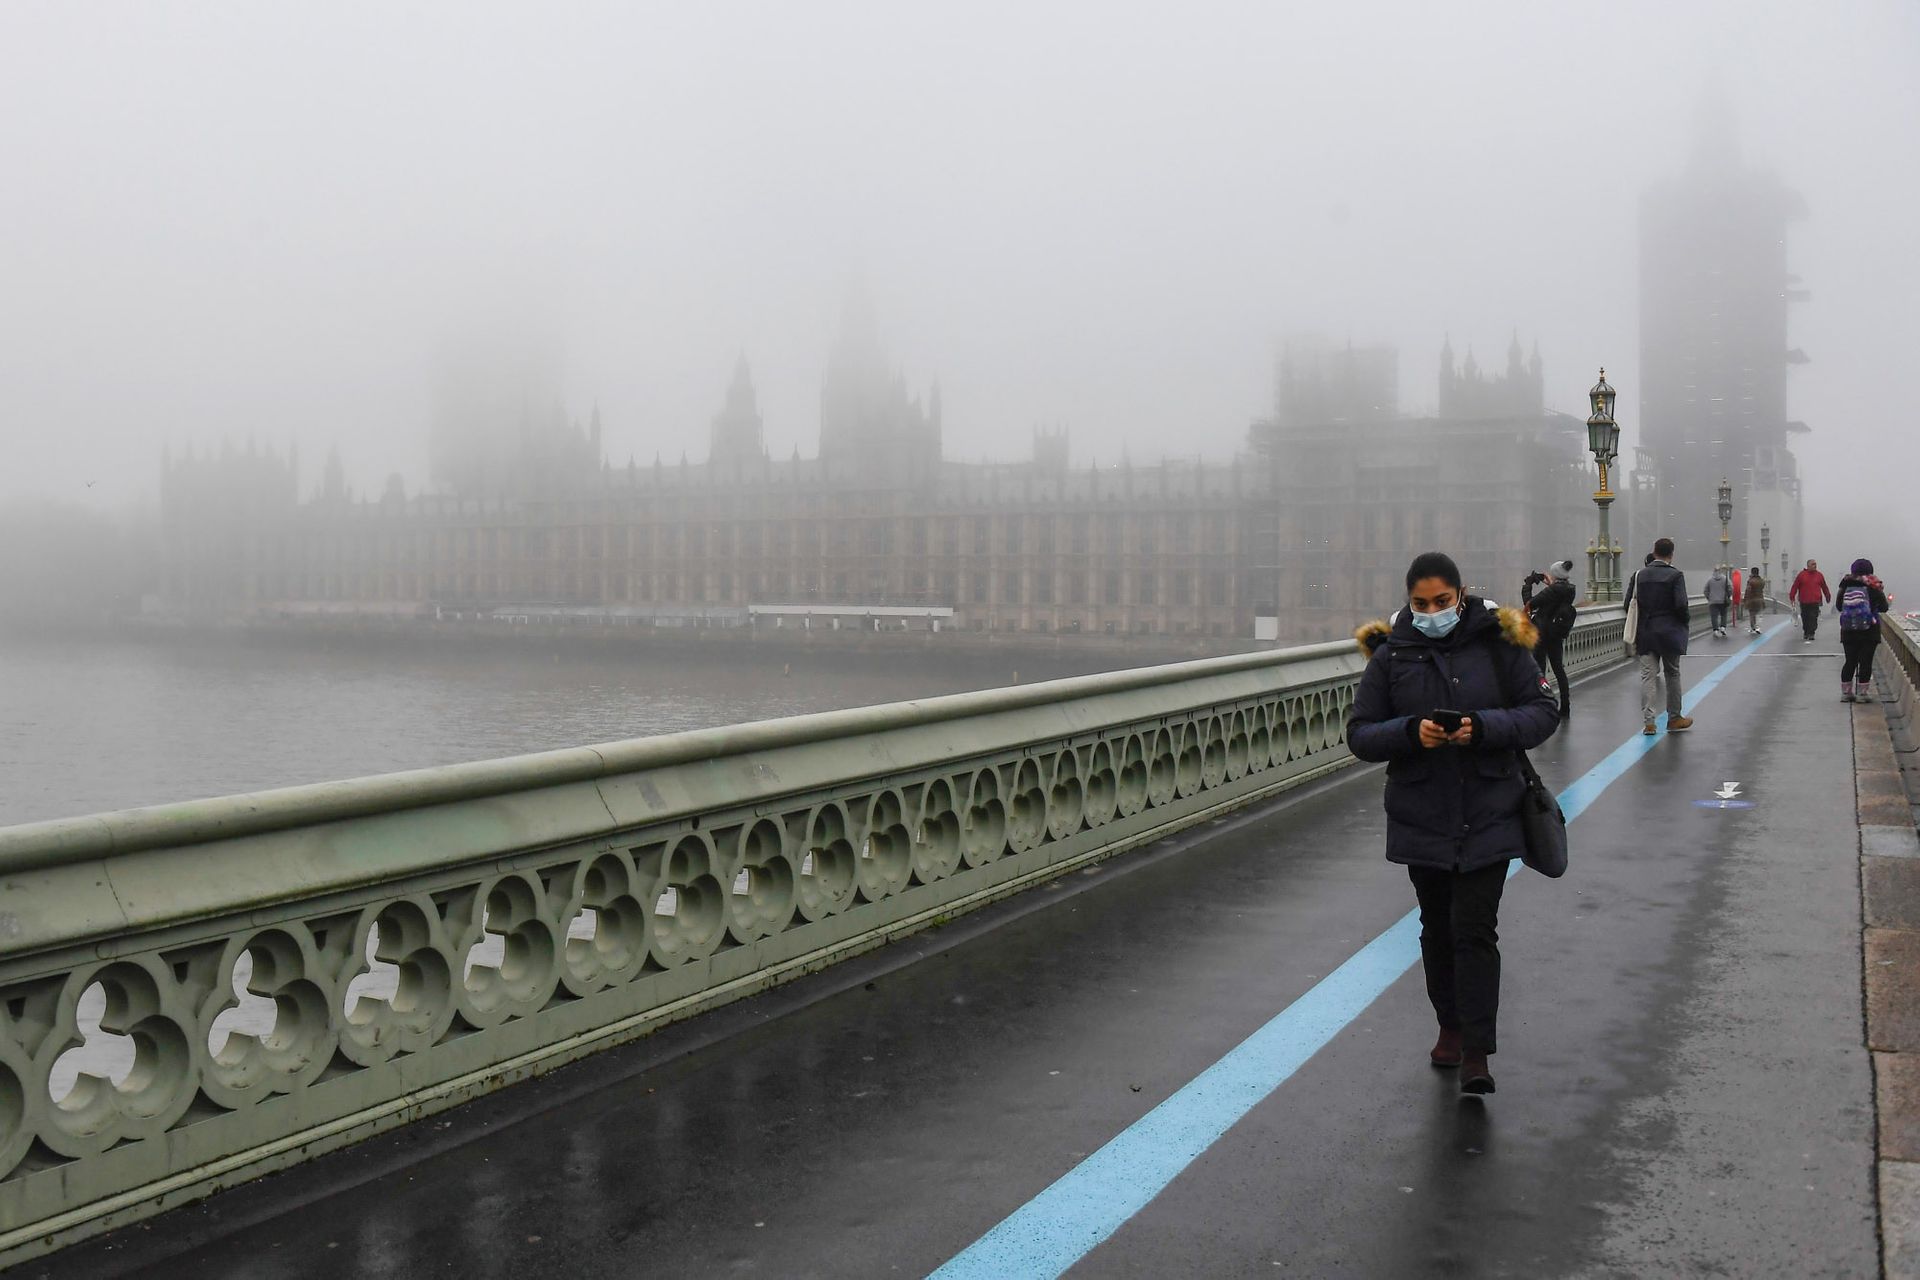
(1728, 790)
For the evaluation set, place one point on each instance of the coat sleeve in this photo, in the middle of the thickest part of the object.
(1529, 719)
(1374, 733)
(1681, 608)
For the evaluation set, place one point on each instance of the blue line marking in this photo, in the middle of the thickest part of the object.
(1088, 1203)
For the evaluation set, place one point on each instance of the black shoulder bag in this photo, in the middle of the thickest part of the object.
(1542, 823)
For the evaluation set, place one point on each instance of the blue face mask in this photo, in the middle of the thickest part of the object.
(1437, 626)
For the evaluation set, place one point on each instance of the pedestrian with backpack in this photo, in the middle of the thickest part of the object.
(1553, 613)
(1860, 601)
(1756, 599)
(1810, 592)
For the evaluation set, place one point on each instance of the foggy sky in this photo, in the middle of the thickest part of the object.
(268, 218)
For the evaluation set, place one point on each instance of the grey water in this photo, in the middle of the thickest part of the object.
(93, 725)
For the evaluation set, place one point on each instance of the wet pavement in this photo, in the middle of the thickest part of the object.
(1682, 1083)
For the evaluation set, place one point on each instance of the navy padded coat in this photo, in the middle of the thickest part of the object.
(1449, 806)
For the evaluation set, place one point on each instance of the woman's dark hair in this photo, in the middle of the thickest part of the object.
(1755, 571)
(1648, 560)
(1434, 564)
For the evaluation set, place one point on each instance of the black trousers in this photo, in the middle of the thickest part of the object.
(1809, 619)
(1858, 647)
(1460, 948)
(1554, 652)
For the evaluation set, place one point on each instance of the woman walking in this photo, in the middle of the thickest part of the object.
(1453, 787)
(1860, 599)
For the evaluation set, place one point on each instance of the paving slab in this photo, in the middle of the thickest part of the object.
(1889, 841)
(1900, 1219)
(1896, 1086)
(1893, 989)
(1890, 892)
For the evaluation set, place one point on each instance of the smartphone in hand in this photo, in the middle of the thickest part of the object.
(1449, 721)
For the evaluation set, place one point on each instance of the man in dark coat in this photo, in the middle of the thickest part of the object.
(1453, 800)
(1661, 640)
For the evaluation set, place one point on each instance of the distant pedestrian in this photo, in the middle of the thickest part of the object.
(1861, 600)
(1661, 640)
(1756, 599)
(1737, 596)
(1454, 790)
(1810, 592)
(1553, 613)
(1719, 594)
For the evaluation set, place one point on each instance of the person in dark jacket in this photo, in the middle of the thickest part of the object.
(1661, 640)
(1552, 612)
(1859, 631)
(1756, 599)
(1453, 798)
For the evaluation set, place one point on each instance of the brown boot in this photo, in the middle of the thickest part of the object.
(1679, 724)
(1474, 1076)
(1446, 1050)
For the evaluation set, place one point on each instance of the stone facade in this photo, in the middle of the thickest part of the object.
(1494, 479)
(1314, 526)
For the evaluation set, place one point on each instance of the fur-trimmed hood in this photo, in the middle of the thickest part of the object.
(1370, 635)
(1515, 627)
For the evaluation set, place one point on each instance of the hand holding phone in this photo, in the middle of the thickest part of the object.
(1442, 726)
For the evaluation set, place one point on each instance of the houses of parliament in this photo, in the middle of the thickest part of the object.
(1302, 534)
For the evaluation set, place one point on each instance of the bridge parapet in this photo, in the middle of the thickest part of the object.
(406, 942)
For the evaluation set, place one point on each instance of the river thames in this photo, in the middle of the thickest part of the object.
(93, 725)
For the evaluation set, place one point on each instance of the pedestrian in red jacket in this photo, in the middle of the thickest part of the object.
(1810, 592)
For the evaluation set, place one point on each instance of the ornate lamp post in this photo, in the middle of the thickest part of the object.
(1766, 543)
(1783, 566)
(1726, 518)
(1603, 441)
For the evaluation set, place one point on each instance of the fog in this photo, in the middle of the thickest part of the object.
(276, 220)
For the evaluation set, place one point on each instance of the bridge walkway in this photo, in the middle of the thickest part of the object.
(1682, 1083)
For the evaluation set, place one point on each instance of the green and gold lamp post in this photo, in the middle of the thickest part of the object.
(1766, 543)
(1603, 441)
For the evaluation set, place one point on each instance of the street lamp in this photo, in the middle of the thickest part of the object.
(1603, 441)
(1766, 543)
(1726, 518)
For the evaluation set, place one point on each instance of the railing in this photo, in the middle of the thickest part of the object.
(1902, 647)
(287, 972)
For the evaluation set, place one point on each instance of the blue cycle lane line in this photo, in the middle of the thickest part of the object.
(1092, 1200)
